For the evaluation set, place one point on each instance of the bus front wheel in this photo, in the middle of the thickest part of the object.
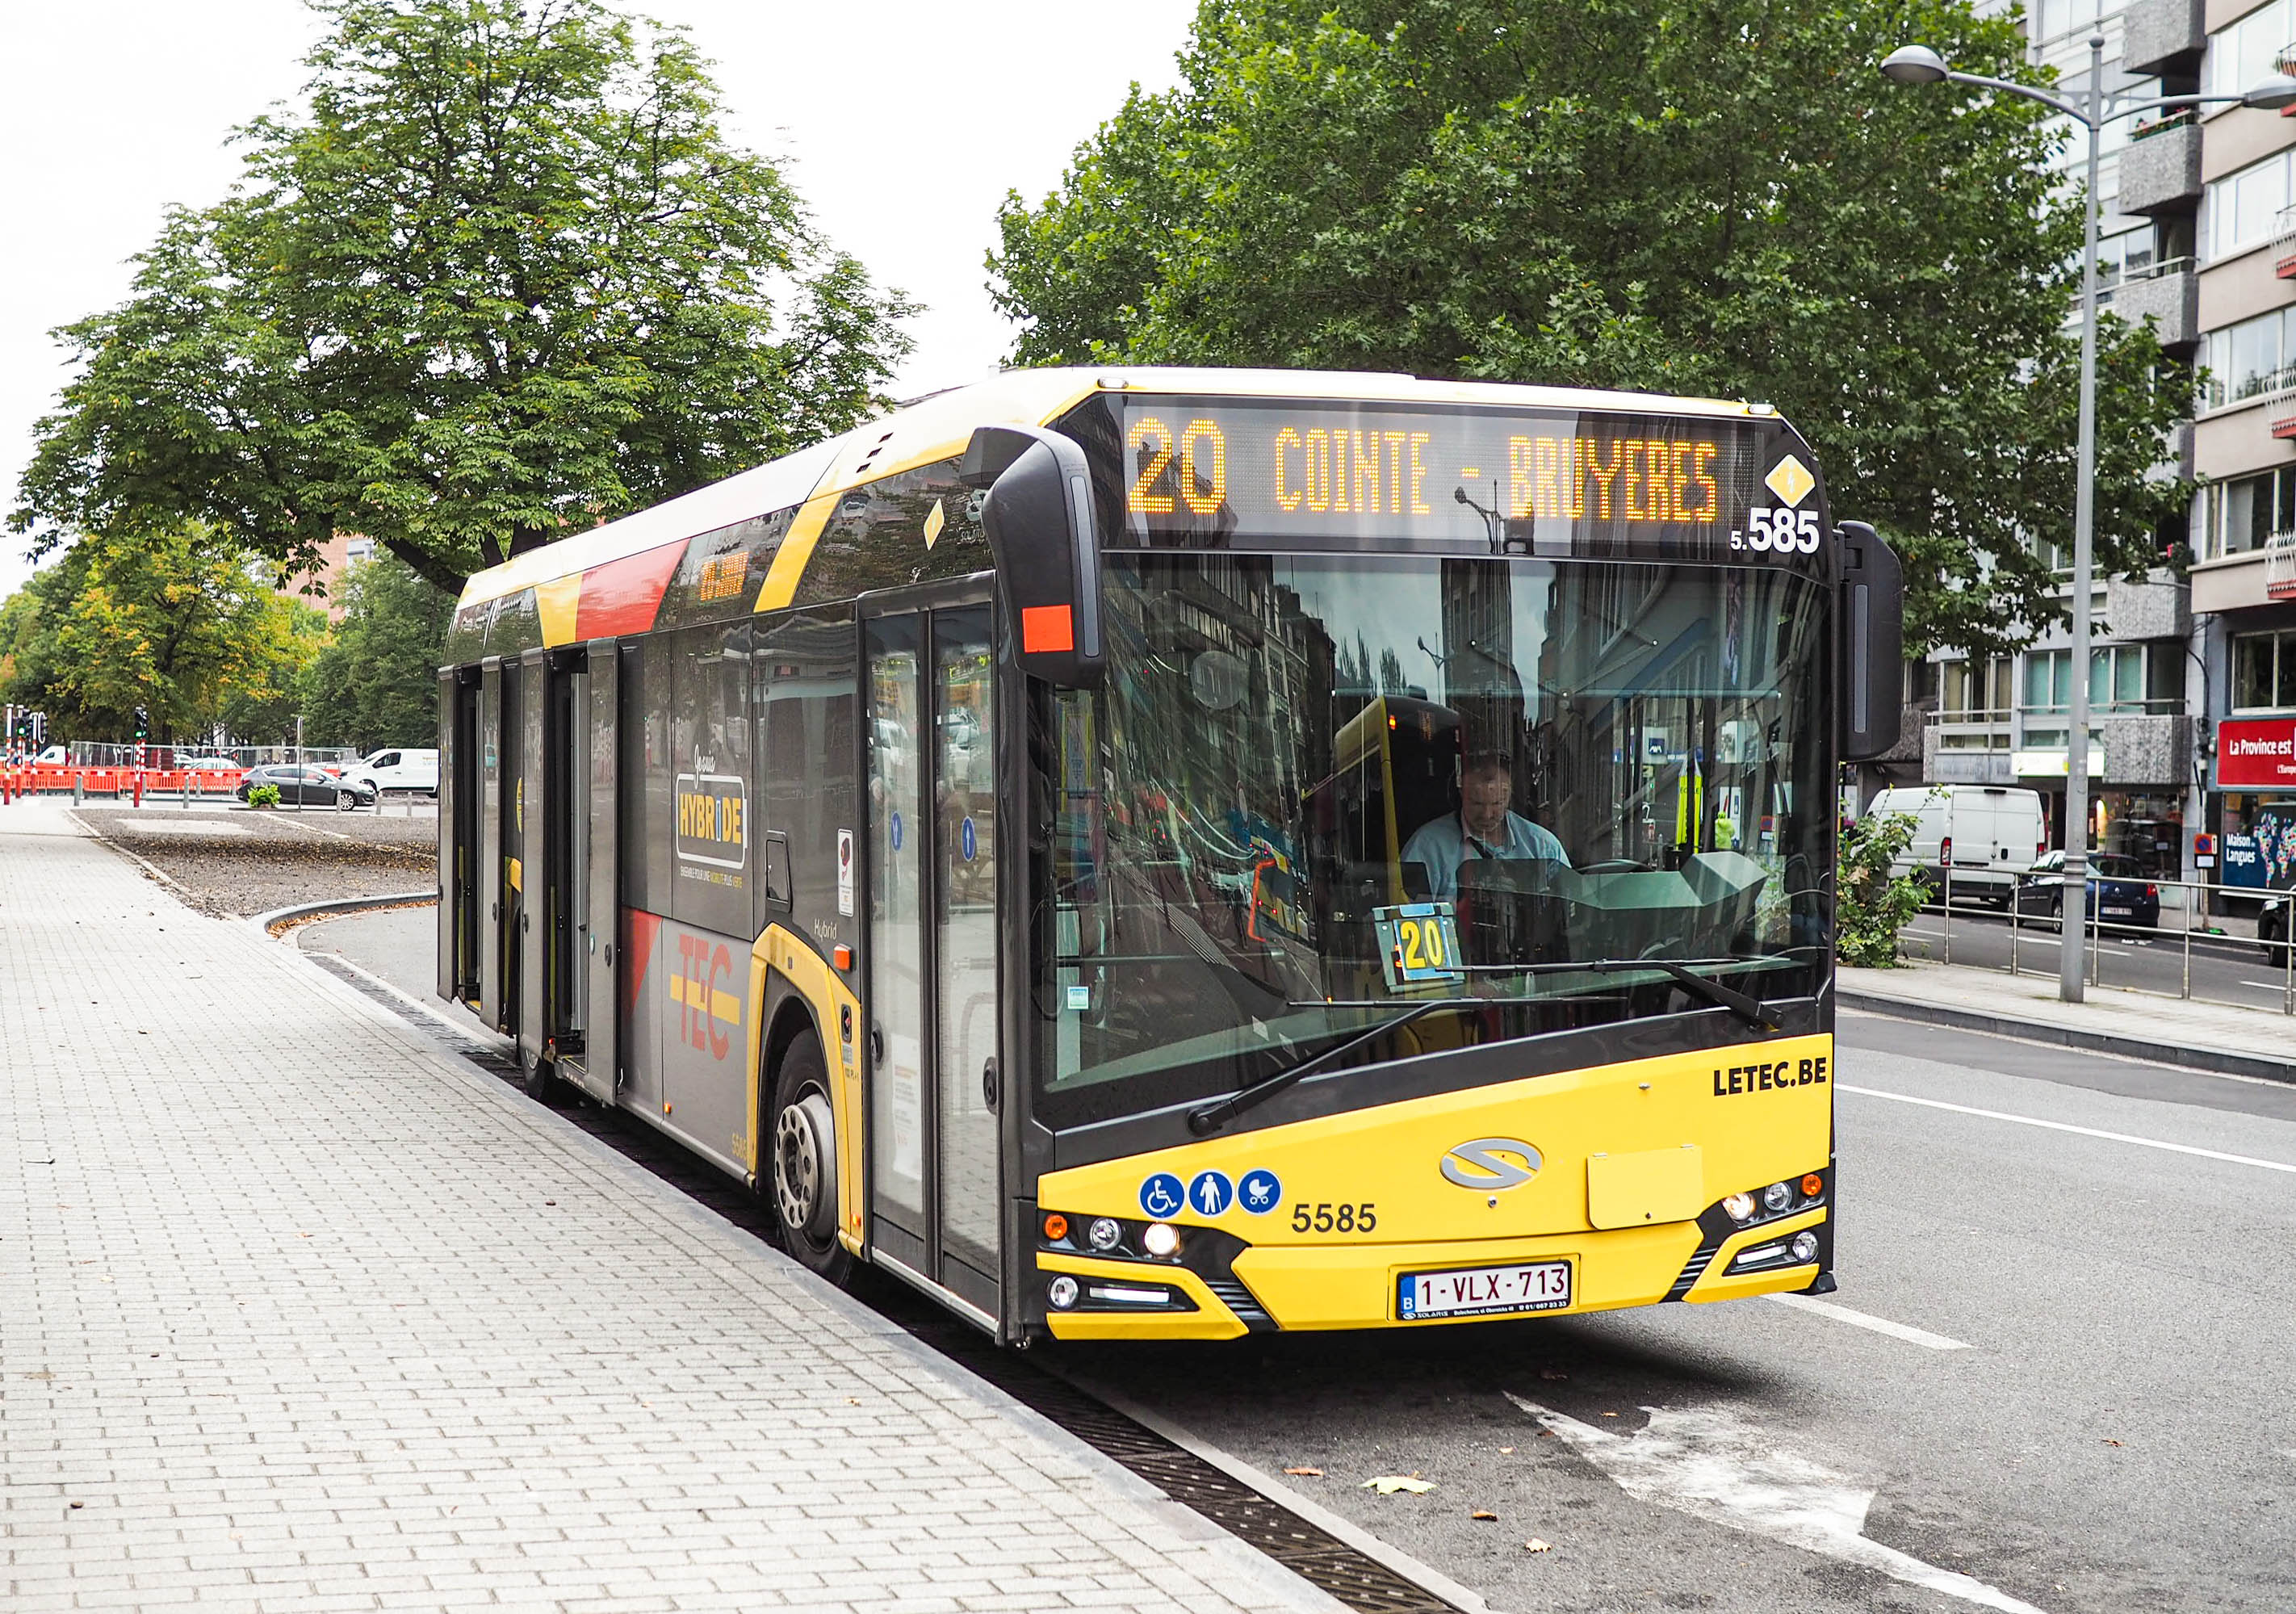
(805, 1161)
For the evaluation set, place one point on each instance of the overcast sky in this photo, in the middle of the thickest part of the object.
(904, 123)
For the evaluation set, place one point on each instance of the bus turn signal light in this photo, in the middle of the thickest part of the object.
(842, 955)
(1056, 1226)
(1813, 1185)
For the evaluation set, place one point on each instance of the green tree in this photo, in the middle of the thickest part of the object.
(1871, 904)
(501, 276)
(177, 622)
(377, 684)
(1685, 196)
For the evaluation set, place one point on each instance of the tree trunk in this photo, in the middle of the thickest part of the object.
(526, 538)
(429, 568)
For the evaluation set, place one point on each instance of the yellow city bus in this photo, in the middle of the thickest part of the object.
(1170, 854)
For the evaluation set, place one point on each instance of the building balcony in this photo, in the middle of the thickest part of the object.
(2159, 607)
(2169, 294)
(2159, 37)
(2283, 244)
(2150, 750)
(2160, 168)
(2280, 566)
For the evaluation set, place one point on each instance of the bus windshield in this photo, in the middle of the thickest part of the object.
(1315, 792)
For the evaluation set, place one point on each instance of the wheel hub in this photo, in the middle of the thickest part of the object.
(804, 1170)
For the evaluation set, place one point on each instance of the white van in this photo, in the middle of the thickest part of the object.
(397, 769)
(1990, 833)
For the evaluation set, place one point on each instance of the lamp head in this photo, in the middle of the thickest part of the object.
(2270, 92)
(1913, 64)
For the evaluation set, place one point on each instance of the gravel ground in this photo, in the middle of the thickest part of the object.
(234, 862)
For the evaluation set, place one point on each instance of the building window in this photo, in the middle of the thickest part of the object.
(358, 550)
(2053, 19)
(1977, 692)
(2250, 359)
(2240, 209)
(2264, 671)
(2243, 512)
(2121, 678)
(2246, 51)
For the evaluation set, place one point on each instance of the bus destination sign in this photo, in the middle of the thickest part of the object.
(1213, 471)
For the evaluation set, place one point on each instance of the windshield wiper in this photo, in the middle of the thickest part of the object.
(1206, 1119)
(1750, 1008)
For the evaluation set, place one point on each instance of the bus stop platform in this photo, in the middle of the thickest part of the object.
(2192, 1032)
(301, 1311)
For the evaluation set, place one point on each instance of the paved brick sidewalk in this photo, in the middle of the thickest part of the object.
(298, 1312)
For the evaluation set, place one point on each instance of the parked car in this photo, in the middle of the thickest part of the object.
(307, 786)
(1989, 834)
(2118, 893)
(2272, 926)
(210, 765)
(399, 768)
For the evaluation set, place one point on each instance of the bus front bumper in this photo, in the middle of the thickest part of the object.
(1359, 1284)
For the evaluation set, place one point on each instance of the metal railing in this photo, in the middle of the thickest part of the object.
(2029, 915)
(2280, 566)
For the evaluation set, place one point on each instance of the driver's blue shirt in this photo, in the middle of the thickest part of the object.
(1443, 845)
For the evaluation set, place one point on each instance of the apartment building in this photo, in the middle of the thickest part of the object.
(2192, 682)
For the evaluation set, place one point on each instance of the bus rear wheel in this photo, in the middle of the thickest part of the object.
(804, 1148)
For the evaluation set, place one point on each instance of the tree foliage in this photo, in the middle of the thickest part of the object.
(1871, 904)
(500, 276)
(377, 682)
(1685, 196)
(179, 622)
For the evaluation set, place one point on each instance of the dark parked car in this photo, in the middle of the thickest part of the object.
(2119, 892)
(306, 787)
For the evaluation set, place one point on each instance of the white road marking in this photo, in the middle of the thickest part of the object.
(2269, 986)
(1712, 1465)
(2090, 1132)
(1880, 1325)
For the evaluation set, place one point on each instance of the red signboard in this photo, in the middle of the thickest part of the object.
(2256, 753)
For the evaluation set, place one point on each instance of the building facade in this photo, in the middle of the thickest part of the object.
(2194, 720)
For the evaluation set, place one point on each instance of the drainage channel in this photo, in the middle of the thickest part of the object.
(1324, 1560)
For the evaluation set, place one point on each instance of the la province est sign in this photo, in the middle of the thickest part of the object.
(2256, 753)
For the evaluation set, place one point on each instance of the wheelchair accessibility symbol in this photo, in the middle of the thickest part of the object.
(1161, 1197)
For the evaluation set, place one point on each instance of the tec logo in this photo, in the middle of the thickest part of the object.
(1487, 1165)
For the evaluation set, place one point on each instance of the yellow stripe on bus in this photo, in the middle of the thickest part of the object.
(720, 1005)
(780, 586)
(559, 601)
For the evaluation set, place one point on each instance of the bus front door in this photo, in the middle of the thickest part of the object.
(937, 1194)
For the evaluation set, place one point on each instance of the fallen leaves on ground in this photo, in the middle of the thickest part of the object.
(1387, 1485)
(1535, 1546)
(2113, 1443)
(1305, 1473)
(1484, 1514)
(1553, 1372)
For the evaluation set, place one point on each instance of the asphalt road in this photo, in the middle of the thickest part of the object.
(2224, 969)
(2116, 1432)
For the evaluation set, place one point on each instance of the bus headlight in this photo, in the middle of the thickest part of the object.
(1104, 1233)
(1804, 1247)
(1062, 1291)
(1777, 1196)
(1162, 1239)
(1740, 1207)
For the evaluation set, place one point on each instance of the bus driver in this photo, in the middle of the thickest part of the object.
(1484, 826)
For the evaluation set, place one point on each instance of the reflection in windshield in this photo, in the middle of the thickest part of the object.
(1315, 789)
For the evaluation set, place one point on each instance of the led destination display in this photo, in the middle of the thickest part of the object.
(1199, 470)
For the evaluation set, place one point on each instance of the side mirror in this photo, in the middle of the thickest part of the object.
(1873, 644)
(1039, 520)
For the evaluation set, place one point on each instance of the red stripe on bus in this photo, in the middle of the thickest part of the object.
(622, 597)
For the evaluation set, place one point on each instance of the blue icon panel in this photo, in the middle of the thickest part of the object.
(1211, 1192)
(1161, 1195)
(1260, 1191)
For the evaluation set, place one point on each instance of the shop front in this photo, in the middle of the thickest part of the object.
(2255, 789)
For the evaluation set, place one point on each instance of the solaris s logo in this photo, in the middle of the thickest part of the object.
(1487, 1165)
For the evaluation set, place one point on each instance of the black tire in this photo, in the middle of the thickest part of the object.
(539, 1078)
(801, 1165)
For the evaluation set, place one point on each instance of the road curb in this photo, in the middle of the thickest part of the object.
(302, 913)
(2222, 1062)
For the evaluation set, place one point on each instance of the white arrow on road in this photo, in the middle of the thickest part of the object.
(1712, 1465)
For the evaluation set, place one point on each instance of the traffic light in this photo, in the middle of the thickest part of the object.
(142, 724)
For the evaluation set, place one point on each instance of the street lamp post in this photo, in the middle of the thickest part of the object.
(1918, 64)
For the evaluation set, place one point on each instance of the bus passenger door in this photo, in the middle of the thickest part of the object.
(458, 851)
(934, 1074)
(531, 858)
(593, 880)
(497, 847)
